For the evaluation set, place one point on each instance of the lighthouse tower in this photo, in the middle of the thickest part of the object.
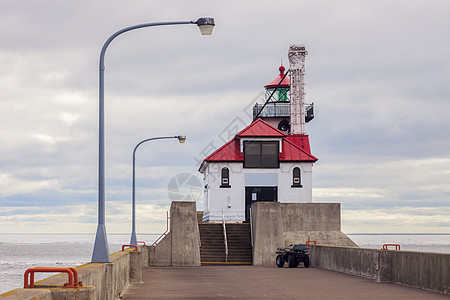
(268, 161)
(285, 106)
(263, 175)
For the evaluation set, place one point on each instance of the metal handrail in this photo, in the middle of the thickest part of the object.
(251, 226)
(271, 95)
(225, 237)
(165, 232)
(199, 237)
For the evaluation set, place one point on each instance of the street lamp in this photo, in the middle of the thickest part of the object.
(181, 139)
(101, 249)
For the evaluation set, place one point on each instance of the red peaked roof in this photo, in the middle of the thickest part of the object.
(259, 128)
(228, 152)
(274, 83)
(293, 152)
(294, 147)
(301, 140)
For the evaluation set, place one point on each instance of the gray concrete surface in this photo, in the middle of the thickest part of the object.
(181, 246)
(161, 254)
(267, 232)
(145, 259)
(277, 225)
(424, 270)
(311, 216)
(101, 281)
(185, 235)
(251, 282)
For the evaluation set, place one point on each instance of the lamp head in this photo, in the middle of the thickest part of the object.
(205, 25)
(181, 138)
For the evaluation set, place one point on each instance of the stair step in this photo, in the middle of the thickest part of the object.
(212, 250)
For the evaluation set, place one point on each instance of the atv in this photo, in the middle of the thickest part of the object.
(293, 255)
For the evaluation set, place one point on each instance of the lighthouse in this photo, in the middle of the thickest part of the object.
(268, 161)
(285, 106)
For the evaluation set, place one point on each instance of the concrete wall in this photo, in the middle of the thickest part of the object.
(181, 246)
(100, 280)
(321, 222)
(277, 225)
(161, 254)
(430, 271)
(267, 232)
(311, 216)
(185, 234)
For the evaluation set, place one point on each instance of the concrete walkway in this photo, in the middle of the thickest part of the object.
(251, 282)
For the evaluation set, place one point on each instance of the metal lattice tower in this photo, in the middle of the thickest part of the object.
(297, 54)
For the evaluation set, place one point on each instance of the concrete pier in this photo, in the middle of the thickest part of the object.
(257, 282)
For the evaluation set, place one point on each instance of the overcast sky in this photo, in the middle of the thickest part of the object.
(378, 73)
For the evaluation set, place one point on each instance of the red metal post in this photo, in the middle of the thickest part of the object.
(131, 246)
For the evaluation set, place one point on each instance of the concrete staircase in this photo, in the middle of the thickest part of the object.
(212, 250)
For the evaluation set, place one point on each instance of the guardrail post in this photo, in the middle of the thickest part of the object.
(135, 266)
(384, 266)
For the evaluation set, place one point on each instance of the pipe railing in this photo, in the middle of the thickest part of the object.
(386, 247)
(71, 272)
(165, 232)
(251, 226)
(225, 237)
(129, 247)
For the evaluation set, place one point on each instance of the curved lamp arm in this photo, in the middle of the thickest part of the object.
(101, 249)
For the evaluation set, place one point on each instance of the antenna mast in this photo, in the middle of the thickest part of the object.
(297, 54)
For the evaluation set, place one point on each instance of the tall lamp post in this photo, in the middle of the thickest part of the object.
(101, 249)
(181, 139)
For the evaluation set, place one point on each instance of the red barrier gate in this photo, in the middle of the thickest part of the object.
(131, 246)
(386, 246)
(71, 272)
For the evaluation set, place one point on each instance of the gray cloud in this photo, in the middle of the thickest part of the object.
(377, 72)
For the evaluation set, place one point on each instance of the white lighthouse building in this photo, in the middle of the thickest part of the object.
(269, 160)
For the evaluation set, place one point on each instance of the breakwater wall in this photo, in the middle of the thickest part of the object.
(102, 281)
(429, 271)
(281, 224)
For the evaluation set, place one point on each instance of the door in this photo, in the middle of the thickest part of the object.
(259, 193)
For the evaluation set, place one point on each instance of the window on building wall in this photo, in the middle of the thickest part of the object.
(296, 177)
(225, 178)
(261, 154)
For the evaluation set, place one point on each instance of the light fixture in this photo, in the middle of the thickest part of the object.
(181, 138)
(205, 25)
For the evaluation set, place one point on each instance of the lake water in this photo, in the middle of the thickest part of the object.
(19, 252)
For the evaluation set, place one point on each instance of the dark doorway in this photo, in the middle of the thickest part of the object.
(260, 193)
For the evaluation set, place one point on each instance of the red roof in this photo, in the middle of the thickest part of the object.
(274, 83)
(292, 152)
(294, 147)
(260, 128)
(300, 140)
(229, 152)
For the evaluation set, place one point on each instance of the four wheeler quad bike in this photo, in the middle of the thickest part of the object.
(293, 255)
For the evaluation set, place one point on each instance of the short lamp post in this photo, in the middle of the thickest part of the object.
(101, 248)
(181, 139)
